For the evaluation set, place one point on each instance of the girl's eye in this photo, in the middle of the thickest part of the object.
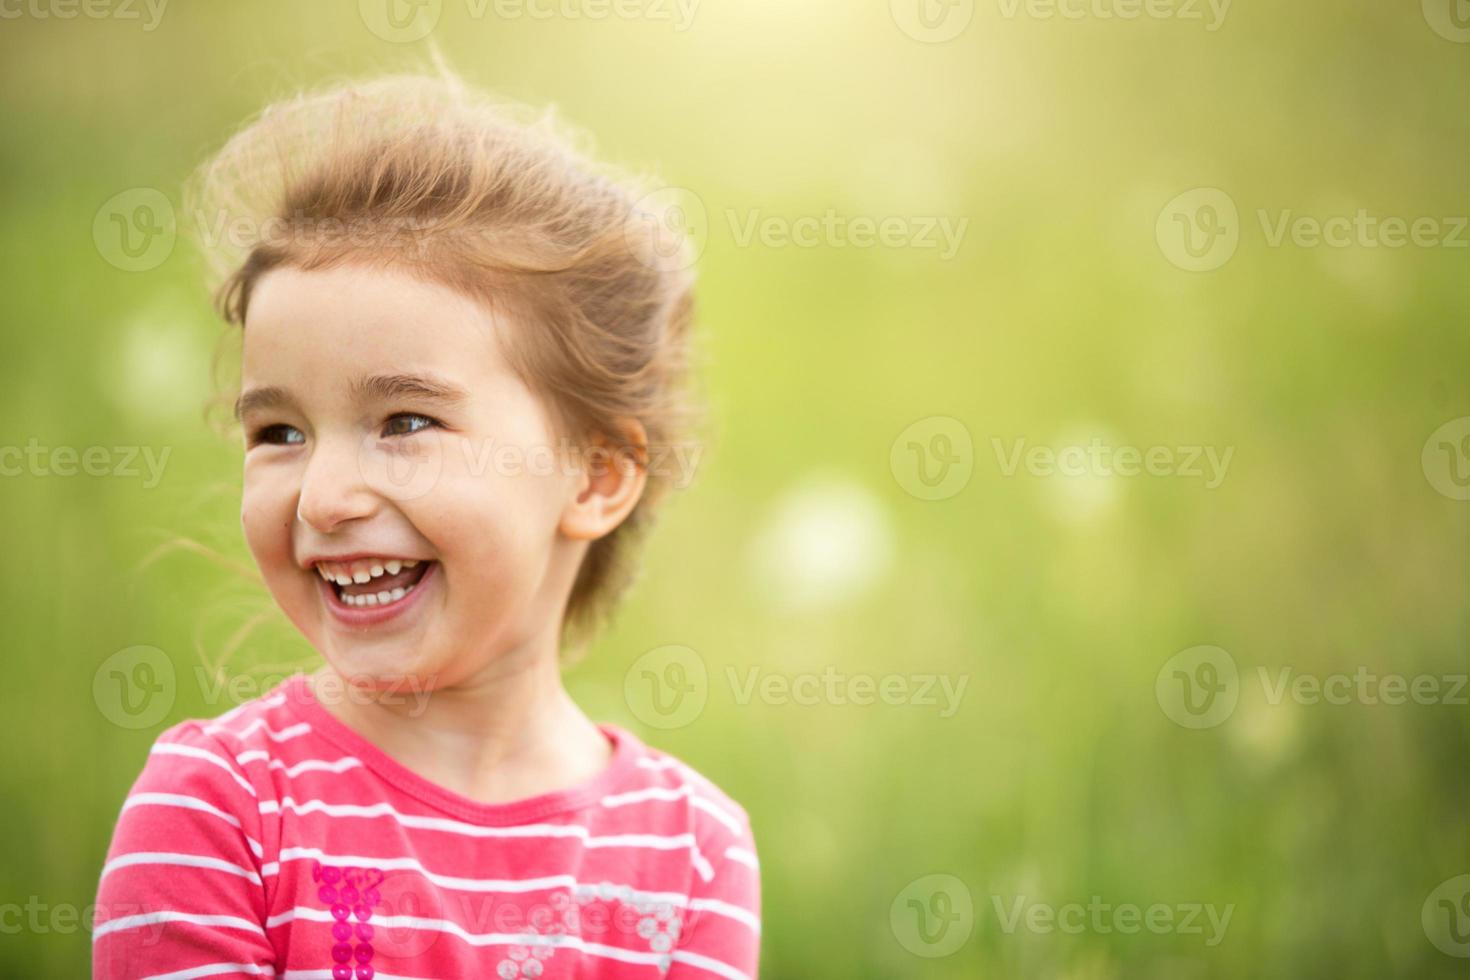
(407, 423)
(277, 435)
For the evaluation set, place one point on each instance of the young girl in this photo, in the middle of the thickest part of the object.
(461, 343)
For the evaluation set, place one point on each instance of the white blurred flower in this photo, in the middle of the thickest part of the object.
(827, 541)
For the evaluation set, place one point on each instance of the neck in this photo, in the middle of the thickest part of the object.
(505, 733)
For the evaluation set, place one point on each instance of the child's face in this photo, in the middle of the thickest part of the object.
(339, 468)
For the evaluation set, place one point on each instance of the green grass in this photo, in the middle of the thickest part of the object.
(1325, 549)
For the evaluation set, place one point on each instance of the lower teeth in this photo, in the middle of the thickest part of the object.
(375, 599)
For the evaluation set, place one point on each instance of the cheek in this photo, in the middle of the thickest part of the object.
(493, 527)
(265, 518)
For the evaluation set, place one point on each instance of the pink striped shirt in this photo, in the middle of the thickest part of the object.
(276, 841)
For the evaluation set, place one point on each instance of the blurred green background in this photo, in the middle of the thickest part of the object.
(1073, 312)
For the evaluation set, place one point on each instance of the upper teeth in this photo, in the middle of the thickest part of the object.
(362, 570)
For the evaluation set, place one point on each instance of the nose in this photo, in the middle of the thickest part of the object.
(333, 488)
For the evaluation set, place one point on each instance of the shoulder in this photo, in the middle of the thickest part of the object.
(262, 724)
(209, 759)
(199, 798)
(719, 823)
(721, 921)
(187, 875)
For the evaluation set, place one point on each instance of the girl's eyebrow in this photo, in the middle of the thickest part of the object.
(377, 387)
(425, 387)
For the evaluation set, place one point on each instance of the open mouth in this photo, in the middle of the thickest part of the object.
(387, 583)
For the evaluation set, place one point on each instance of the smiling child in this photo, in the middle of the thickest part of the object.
(462, 340)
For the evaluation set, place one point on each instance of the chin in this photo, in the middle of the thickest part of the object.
(377, 668)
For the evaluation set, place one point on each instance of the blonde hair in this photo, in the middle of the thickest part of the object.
(421, 172)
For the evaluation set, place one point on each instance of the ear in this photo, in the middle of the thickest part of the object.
(608, 484)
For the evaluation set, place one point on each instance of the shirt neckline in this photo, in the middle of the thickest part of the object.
(301, 700)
